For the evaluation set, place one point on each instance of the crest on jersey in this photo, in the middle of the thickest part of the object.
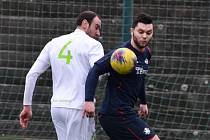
(147, 131)
(146, 61)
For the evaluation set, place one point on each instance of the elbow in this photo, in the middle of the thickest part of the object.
(31, 76)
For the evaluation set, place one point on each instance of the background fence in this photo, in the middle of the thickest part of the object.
(178, 84)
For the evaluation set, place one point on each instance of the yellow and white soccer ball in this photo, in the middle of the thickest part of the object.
(123, 60)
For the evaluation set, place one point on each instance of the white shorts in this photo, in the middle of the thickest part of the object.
(71, 125)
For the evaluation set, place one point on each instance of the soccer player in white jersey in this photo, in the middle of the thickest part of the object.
(70, 56)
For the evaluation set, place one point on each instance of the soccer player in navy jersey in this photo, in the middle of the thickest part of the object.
(117, 115)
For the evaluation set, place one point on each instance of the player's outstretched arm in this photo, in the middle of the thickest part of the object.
(90, 87)
(25, 116)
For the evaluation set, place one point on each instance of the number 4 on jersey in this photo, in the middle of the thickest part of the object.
(62, 55)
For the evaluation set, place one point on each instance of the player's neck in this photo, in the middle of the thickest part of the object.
(81, 28)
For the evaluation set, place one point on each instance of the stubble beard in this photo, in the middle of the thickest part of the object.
(135, 40)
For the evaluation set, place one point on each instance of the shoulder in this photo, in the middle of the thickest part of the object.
(55, 42)
(148, 52)
(92, 41)
(60, 38)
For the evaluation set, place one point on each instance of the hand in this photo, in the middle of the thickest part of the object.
(25, 116)
(143, 110)
(89, 109)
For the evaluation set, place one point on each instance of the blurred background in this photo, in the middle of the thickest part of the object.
(178, 83)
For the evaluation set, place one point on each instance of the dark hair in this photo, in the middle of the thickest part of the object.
(143, 18)
(88, 15)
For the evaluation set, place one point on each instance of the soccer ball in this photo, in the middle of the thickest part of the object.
(123, 60)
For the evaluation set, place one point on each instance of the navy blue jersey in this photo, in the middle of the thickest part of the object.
(122, 91)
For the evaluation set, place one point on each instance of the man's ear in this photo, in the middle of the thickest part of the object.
(131, 31)
(85, 24)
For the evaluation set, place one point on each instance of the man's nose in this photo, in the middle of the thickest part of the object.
(144, 35)
(98, 33)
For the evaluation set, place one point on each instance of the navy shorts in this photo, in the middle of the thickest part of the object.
(126, 128)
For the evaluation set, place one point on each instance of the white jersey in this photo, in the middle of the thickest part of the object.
(70, 57)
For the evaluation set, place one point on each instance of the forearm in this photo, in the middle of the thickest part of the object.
(100, 67)
(142, 94)
(143, 98)
(91, 83)
(38, 68)
(29, 88)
